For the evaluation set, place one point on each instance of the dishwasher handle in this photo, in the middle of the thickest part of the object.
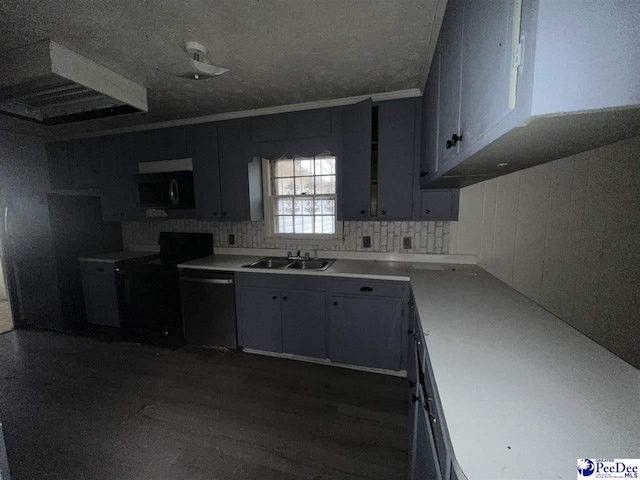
(214, 281)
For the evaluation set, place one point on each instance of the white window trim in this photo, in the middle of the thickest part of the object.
(310, 239)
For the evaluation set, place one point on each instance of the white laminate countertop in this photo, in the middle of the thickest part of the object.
(114, 257)
(524, 395)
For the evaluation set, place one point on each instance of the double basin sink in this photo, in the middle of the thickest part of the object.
(296, 264)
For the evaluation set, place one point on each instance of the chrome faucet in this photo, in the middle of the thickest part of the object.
(298, 256)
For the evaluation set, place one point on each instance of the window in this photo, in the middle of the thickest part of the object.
(300, 198)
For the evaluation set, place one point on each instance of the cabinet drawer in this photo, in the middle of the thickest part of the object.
(282, 281)
(374, 288)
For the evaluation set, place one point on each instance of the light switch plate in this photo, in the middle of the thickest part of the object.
(406, 243)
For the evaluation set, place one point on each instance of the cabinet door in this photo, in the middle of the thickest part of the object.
(310, 123)
(269, 128)
(259, 324)
(396, 127)
(109, 169)
(487, 81)
(162, 144)
(304, 323)
(430, 122)
(100, 294)
(203, 149)
(450, 71)
(425, 463)
(355, 165)
(124, 153)
(234, 180)
(436, 204)
(366, 332)
(58, 161)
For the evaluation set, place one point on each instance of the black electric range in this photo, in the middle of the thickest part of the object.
(149, 290)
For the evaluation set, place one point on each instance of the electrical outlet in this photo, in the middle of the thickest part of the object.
(232, 239)
(406, 243)
(366, 242)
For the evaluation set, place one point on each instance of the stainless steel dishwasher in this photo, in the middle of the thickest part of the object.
(209, 308)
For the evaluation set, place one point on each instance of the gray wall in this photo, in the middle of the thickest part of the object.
(567, 235)
(23, 165)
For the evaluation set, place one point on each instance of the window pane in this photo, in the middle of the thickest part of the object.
(283, 168)
(325, 166)
(304, 185)
(284, 186)
(303, 167)
(325, 207)
(305, 225)
(326, 184)
(283, 206)
(325, 224)
(284, 224)
(304, 206)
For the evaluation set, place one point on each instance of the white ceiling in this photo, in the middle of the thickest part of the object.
(279, 52)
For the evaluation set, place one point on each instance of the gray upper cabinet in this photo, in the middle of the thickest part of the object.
(439, 204)
(269, 128)
(488, 86)
(365, 331)
(526, 95)
(203, 150)
(396, 158)
(450, 67)
(240, 176)
(162, 144)
(310, 123)
(354, 167)
(430, 109)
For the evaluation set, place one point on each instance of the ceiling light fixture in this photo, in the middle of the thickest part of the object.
(196, 66)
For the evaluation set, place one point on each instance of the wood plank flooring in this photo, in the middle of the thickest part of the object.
(77, 408)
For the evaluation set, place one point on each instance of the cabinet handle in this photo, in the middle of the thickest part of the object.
(410, 332)
(424, 173)
(335, 304)
(366, 289)
(414, 398)
(383, 212)
(215, 214)
(284, 298)
(455, 138)
(427, 211)
(449, 144)
(362, 212)
(412, 384)
(224, 213)
(274, 297)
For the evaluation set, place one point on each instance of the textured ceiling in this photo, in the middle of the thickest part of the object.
(279, 52)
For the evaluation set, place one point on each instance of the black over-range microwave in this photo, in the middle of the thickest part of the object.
(165, 190)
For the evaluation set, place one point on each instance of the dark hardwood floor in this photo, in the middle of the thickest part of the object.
(76, 408)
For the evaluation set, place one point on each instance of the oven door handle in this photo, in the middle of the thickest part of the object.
(213, 281)
(174, 191)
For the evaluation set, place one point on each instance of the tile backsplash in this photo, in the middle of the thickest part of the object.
(425, 237)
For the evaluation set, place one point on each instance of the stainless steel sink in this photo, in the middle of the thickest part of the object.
(270, 262)
(311, 264)
(302, 264)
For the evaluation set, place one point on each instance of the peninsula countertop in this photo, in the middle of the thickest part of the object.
(524, 395)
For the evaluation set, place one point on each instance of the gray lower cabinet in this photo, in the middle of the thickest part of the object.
(365, 331)
(259, 319)
(439, 204)
(100, 294)
(304, 323)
